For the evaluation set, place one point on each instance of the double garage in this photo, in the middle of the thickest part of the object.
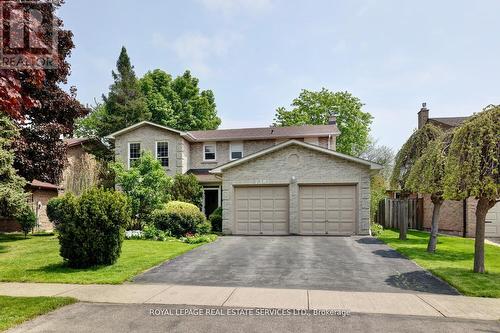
(323, 210)
(296, 188)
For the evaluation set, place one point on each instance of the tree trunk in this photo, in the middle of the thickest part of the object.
(438, 202)
(483, 205)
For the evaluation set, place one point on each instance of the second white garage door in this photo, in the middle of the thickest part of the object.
(492, 226)
(327, 210)
(261, 210)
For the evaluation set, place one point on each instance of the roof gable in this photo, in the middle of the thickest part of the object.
(220, 169)
(139, 125)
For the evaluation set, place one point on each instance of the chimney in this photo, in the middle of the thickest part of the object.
(332, 120)
(423, 116)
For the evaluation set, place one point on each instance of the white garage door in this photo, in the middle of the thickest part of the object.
(261, 210)
(492, 227)
(327, 210)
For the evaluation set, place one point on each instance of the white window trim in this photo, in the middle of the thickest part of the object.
(231, 150)
(215, 151)
(128, 151)
(156, 151)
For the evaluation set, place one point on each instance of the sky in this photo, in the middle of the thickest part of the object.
(257, 55)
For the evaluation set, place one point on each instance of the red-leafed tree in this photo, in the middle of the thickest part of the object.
(33, 99)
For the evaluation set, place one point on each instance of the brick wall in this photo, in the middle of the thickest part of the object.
(308, 167)
(9, 225)
(148, 135)
(450, 218)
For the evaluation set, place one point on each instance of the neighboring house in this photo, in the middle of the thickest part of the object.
(456, 217)
(269, 181)
(82, 169)
(80, 172)
(38, 195)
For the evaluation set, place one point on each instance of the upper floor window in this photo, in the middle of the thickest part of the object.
(236, 150)
(162, 152)
(134, 152)
(209, 152)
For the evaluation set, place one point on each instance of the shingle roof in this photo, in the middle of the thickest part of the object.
(450, 121)
(259, 133)
(43, 185)
(75, 141)
(264, 133)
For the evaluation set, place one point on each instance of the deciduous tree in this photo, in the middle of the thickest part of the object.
(410, 152)
(406, 158)
(42, 110)
(473, 169)
(315, 108)
(179, 103)
(427, 176)
(147, 185)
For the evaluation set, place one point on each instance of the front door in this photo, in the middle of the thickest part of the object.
(211, 200)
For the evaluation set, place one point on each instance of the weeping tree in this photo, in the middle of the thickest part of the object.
(427, 176)
(472, 169)
(406, 158)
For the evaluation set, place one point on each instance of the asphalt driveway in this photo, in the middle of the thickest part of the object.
(324, 263)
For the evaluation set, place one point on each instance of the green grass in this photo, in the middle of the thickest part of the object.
(15, 310)
(453, 261)
(37, 259)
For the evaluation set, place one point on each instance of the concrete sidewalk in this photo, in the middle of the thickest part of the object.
(420, 304)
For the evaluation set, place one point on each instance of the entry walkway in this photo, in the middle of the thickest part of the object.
(415, 304)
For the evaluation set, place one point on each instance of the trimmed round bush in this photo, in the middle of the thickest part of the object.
(180, 218)
(216, 219)
(90, 227)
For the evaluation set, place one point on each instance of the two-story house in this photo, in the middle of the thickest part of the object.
(271, 180)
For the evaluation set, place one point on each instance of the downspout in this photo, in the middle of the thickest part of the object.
(465, 218)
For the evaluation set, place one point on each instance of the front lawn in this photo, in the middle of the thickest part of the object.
(453, 261)
(15, 310)
(37, 259)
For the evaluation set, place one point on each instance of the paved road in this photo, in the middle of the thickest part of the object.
(97, 318)
(323, 263)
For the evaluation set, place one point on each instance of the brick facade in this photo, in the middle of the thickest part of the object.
(37, 199)
(451, 219)
(311, 167)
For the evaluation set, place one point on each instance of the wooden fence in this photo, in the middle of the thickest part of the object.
(391, 212)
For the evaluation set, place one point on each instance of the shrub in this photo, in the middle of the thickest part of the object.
(376, 229)
(179, 218)
(27, 219)
(90, 226)
(151, 232)
(216, 220)
(186, 188)
(147, 185)
(204, 228)
(197, 239)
